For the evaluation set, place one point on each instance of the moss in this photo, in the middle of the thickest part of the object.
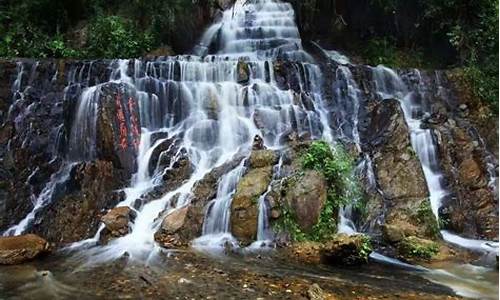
(413, 247)
(426, 218)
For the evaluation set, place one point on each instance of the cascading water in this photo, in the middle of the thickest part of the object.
(390, 86)
(213, 107)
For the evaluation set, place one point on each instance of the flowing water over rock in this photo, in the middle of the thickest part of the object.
(174, 139)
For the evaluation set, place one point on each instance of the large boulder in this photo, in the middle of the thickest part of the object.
(116, 222)
(19, 249)
(245, 207)
(306, 196)
(401, 196)
(118, 127)
(173, 230)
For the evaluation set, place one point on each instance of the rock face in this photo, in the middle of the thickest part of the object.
(19, 249)
(399, 175)
(118, 127)
(472, 207)
(306, 196)
(75, 213)
(245, 207)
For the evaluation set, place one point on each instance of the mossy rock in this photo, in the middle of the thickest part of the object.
(415, 248)
(347, 250)
(263, 158)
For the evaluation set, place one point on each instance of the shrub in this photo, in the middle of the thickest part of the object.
(343, 189)
(116, 37)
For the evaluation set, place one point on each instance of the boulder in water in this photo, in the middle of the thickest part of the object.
(245, 207)
(243, 72)
(180, 226)
(117, 220)
(19, 249)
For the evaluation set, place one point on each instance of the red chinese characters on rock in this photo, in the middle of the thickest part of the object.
(122, 125)
(134, 123)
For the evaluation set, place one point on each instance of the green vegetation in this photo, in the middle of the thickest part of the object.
(287, 223)
(343, 188)
(92, 28)
(426, 217)
(366, 247)
(413, 247)
(470, 28)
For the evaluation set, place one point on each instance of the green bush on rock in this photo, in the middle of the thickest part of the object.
(337, 167)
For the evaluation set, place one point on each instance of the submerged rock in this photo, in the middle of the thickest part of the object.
(20, 249)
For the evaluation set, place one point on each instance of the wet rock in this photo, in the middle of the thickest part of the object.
(243, 72)
(470, 173)
(178, 228)
(347, 250)
(180, 171)
(414, 248)
(263, 158)
(161, 155)
(118, 126)
(306, 196)
(398, 171)
(20, 249)
(244, 208)
(472, 207)
(117, 221)
(258, 143)
(75, 212)
(174, 235)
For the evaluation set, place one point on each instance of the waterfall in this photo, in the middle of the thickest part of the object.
(212, 105)
(390, 86)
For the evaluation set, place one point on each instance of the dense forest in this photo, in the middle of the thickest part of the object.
(398, 33)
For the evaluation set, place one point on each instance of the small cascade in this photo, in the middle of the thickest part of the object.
(55, 185)
(216, 226)
(265, 234)
(390, 86)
